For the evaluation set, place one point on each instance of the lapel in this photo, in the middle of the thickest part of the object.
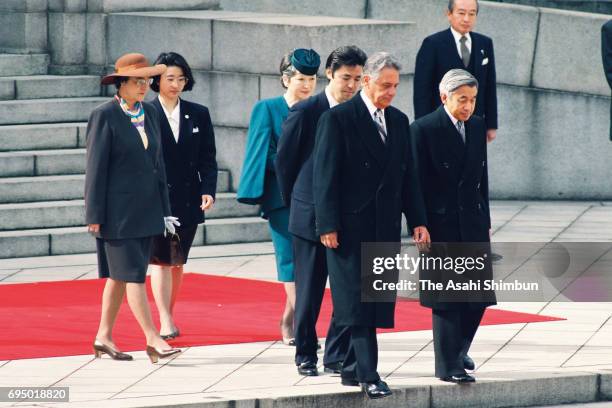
(452, 49)
(322, 102)
(477, 56)
(471, 149)
(186, 125)
(130, 129)
(450, 135)
(367, 130)
(167, 137)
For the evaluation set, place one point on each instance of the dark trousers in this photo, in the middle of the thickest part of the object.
(453, 332)
(361, 360)
(310, 279)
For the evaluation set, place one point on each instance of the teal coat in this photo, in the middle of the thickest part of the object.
(258, 184)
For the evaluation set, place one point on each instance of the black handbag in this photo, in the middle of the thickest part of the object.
(167, 250)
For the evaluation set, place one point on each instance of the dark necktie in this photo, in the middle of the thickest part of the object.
(461, 129)
(380, 125)
(465, 53)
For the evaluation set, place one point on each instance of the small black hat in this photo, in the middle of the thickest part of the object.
(306, 61)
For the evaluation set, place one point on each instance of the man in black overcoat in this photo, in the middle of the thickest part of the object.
(450, 150)
(344, 68)
(363, 181)
(457, 47)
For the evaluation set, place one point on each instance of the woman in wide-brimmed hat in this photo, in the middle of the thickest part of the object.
(126, 200)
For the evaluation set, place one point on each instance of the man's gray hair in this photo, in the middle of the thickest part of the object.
(454, 79)
(379, 61)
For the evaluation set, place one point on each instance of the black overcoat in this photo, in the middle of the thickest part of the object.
(294, 164)
(454, 181)
(361, 188)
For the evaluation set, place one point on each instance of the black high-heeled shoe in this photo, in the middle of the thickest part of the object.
(100, 349)
(155, 354)
(170, 336)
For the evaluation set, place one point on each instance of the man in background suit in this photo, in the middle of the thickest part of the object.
(450, 150)
(363, 181)
(606, 54)
(457, 47)
(343, 69)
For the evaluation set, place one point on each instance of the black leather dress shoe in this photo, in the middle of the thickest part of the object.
(377, 389)
(349, 382)
(459, 379)
(468, 363)
(308, 369)
(333, 368)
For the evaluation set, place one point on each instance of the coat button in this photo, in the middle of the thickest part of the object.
(187, 204)
(367, 165)
(460, 208)
(187, 184)
(169, 185)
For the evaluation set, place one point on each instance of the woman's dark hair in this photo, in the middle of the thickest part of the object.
(172, 59)
(348, 55)
(119, 80)
(286, 68)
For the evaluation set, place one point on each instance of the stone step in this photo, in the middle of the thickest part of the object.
(71, 213)
(42, 136)
(23, 64)
(49, 86)
(42, 162)
(47, 110)
(66, 187)
(76, 240)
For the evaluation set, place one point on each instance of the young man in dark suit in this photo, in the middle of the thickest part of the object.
(457, 47)
(606, 54)
(363, 182)
(343, 68)
(450, 150)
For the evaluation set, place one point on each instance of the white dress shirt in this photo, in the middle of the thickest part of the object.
(372, 109)
(174, 118)
(332, 101)
(457, 36)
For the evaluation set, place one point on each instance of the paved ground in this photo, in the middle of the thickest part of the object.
(580, 345)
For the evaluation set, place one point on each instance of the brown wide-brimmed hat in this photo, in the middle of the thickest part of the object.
(133, 65)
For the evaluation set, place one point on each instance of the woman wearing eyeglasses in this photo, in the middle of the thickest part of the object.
(126, 200)
(188, 142)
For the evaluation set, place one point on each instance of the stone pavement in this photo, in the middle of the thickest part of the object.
(517, 364)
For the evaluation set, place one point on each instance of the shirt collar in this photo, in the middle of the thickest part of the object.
(176, 112)
(369, 104)
(457, 35)
(330, 98)
(450, 115)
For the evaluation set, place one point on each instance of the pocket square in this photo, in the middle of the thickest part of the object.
(485, 61)
(196, 130)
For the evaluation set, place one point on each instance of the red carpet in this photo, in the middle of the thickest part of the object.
(51, 319)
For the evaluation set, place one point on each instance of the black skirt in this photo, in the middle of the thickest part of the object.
(124, 260)
(186, 235)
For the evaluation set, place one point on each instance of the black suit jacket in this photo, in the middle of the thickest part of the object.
(438, 55)
(125, 185)
(191, 165)
(454, 182)
(294, 164)
(606, 53)
(361, 188)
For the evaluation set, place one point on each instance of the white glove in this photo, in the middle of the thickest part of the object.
(170, 222)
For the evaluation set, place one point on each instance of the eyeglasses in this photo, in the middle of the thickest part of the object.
(143, 81)
(180, 80)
